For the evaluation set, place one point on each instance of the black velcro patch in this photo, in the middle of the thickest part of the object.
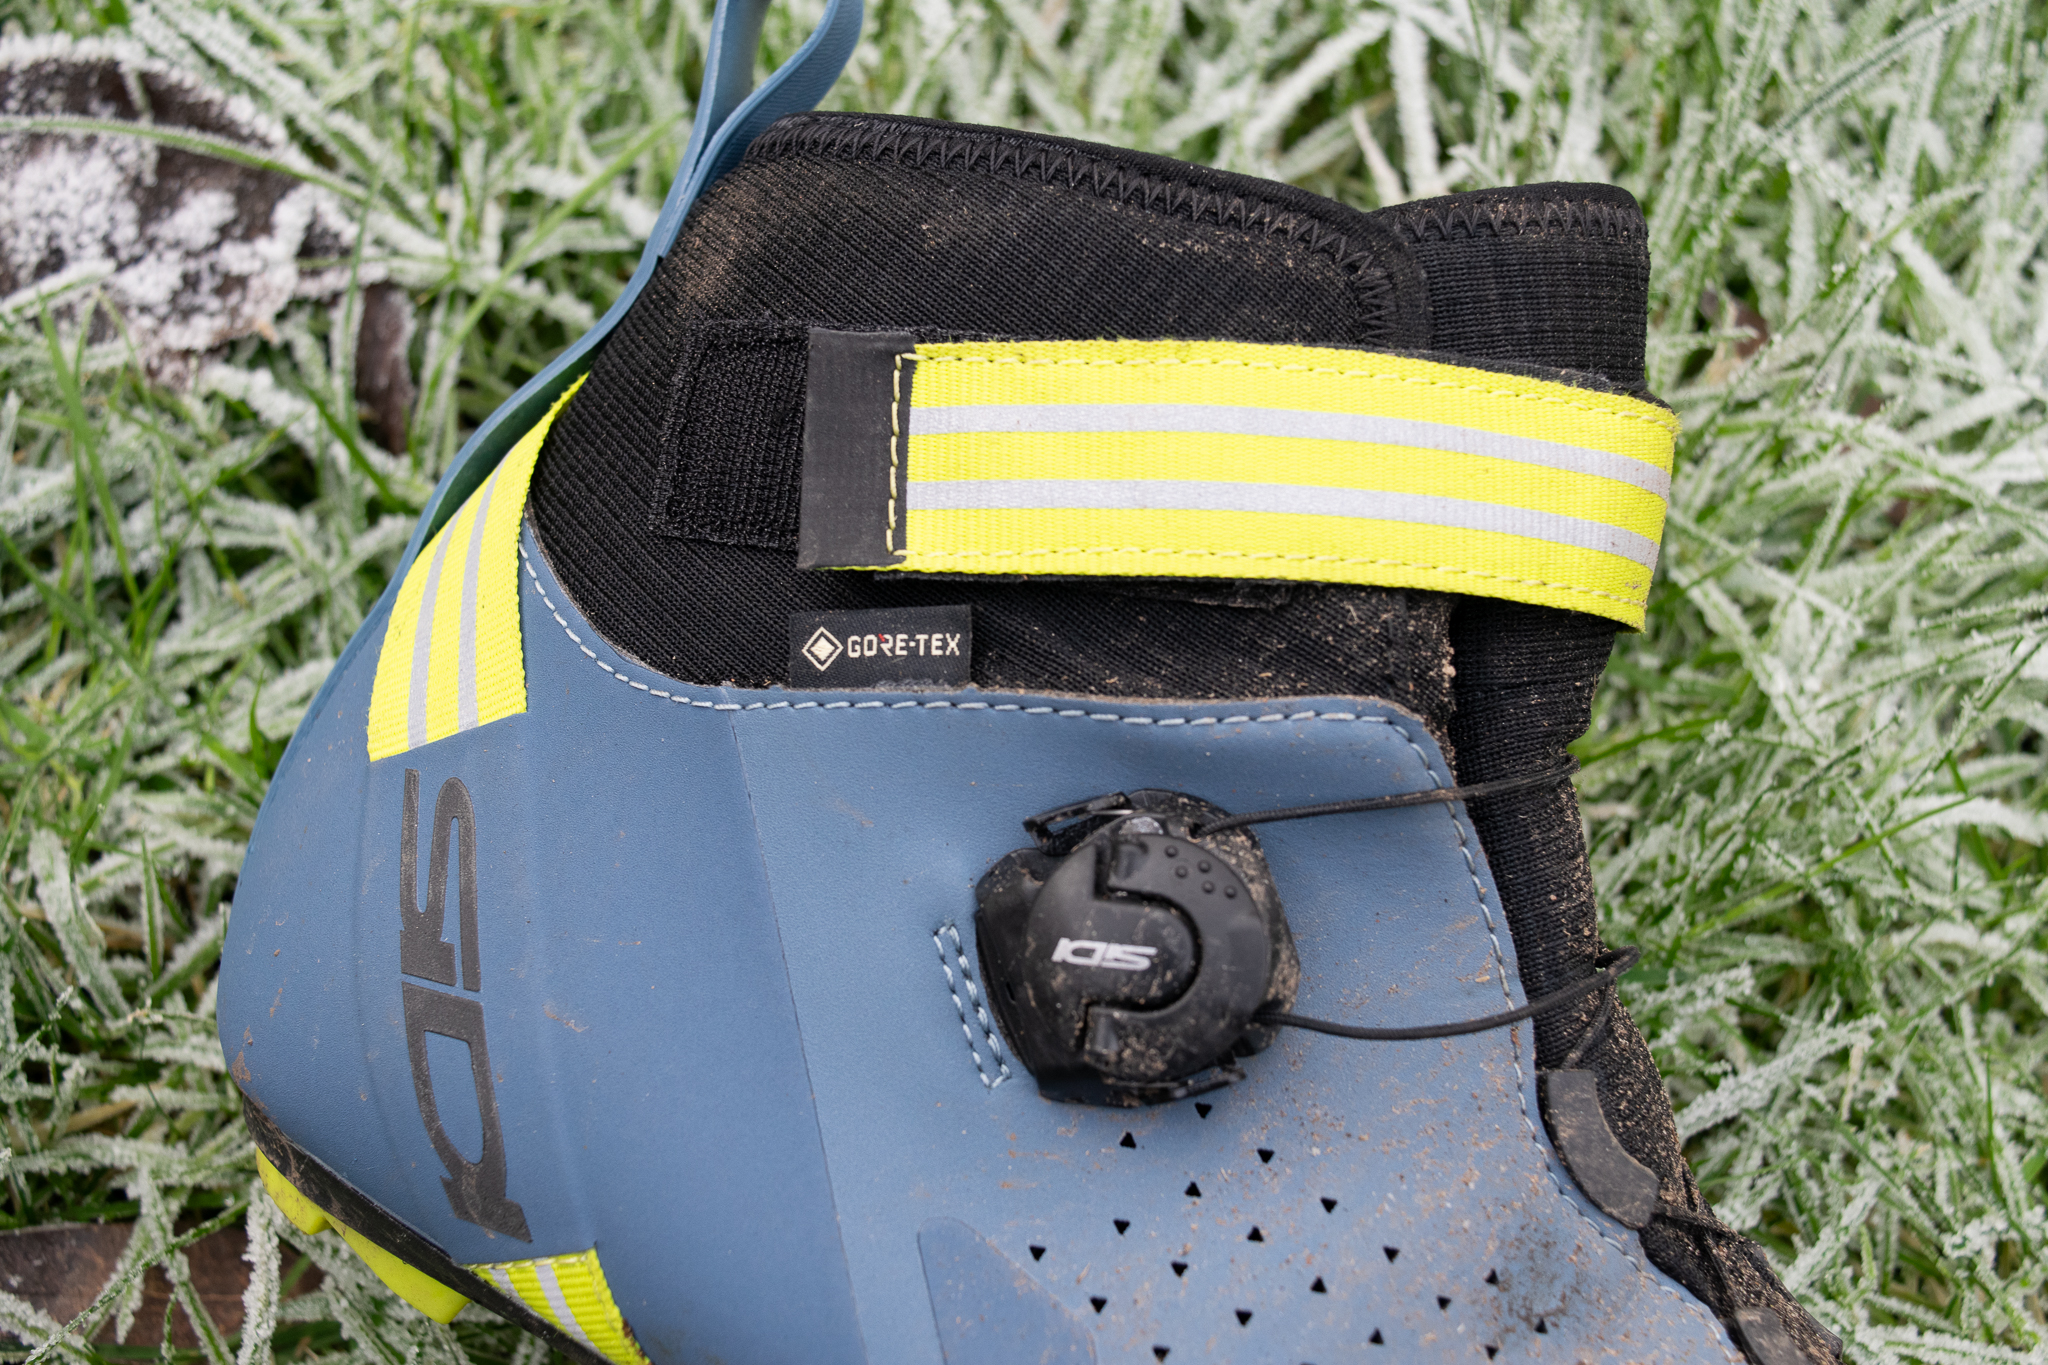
(890, 647)
(732, 452)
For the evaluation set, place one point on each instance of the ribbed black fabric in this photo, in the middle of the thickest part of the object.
(1558, 275)
(1152, 238)
(657, 525)
(1540, 273)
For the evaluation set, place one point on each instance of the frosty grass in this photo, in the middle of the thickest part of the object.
(1815, 783)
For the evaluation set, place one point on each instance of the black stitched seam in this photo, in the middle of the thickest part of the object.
(1021, 158)
(1523, 215)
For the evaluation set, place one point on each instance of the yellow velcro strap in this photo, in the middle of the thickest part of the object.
(570, 1292)
(1211, 459)
(451, 658)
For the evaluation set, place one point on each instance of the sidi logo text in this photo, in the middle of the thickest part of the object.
(476, 1189)
(1090, 952)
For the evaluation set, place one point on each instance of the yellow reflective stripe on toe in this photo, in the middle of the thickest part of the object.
(570, 1292)
(1224, 459)
(451, 658)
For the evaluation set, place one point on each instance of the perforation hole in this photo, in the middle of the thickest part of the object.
(1317, 1287)
(1376, 1339)
(1542, 1328)
(1038, 1253)
(1393, 1254)
(1099, 1303)
(1329, 1204)
(1161, 1352)
(1123, 1225)
(1493, 1277)
(1443, 1303)
(1202, 1110)
(1193, 1191)
(1129, 1141)
(1255, 1236)
(1244, 1317)
(1492, 1351)
(1180, 1268)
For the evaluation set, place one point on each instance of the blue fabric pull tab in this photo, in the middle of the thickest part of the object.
(728, 119)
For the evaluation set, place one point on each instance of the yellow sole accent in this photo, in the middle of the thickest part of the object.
(301, 1212)
(416, 1287)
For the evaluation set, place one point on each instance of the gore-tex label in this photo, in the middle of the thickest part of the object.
(893, 647)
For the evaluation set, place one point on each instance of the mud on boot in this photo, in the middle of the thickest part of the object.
(981, 775)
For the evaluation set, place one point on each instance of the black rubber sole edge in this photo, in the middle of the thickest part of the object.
(347, 1204)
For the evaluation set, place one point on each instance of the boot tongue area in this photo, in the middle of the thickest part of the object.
(880, 225)
(896, 223)
(669, 494)
(684, 556)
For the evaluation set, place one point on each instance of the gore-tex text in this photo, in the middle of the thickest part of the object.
(882, 647)
(903, 645)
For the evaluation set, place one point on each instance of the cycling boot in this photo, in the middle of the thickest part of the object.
(991, 786)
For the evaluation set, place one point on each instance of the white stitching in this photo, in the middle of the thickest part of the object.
(623, 677)
(988, 1032)
(1471, 867)
(895, 439)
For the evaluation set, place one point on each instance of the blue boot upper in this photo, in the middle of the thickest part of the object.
(729, 992)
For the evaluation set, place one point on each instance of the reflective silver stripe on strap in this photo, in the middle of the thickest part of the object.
(1191, 496)
(1051, 418)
